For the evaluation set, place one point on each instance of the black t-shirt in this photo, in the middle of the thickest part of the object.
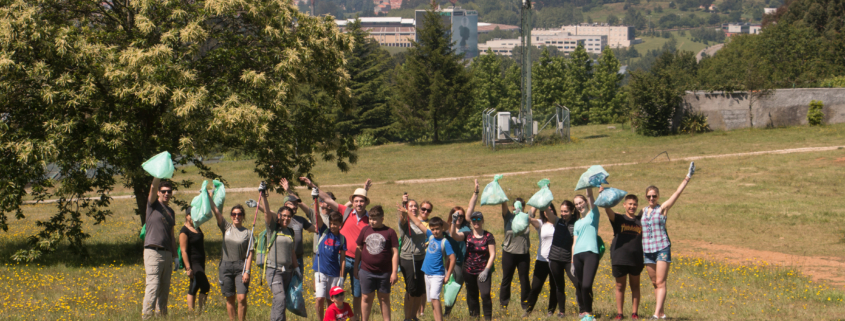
(561, 249)
(627, 247)
(196, 249)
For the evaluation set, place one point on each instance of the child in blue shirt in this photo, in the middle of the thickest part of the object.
(437, 270)
(329, 259)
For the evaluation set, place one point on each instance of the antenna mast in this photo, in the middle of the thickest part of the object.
(525, 116)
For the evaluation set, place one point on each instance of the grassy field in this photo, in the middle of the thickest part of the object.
(655, 43)
(787, 203)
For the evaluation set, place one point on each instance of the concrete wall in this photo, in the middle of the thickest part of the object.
(781, 107)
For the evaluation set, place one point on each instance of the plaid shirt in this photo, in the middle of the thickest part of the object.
(654, 230)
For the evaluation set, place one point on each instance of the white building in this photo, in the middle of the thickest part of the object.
(550, 38)
(617, 36)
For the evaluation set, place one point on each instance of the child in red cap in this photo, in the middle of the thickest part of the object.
(338, 310)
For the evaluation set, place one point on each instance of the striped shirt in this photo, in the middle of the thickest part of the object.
(655, 237)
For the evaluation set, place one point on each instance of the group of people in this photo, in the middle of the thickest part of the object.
(352, 242)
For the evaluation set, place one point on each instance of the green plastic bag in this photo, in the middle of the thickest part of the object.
(543, 197)
(200, 207)
(159, 166)
(593, 177)
(179, 263)
(143, 234)
(450, 291)
(219, 194)
(610, 197)
(294, 300)
(493, 193)
(601, 246)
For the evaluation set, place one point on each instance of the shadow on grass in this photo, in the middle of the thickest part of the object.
(446, 142)
(99, 254)
(595, 136)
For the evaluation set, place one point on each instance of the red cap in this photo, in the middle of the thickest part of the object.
(335, 291)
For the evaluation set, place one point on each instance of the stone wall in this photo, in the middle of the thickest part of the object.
(780, 107)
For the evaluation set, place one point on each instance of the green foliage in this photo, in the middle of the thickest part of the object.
(547, 84)
(365, 140)
(612, 20)
(433, 89)
(96, 90)
(834, 82)
(655, 95)
(367, 67)
(693, 123)
(492, 89)
(815, 114)
(576, 94)
(606, 97)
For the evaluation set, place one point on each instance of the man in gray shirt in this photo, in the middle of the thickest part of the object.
(159, 248)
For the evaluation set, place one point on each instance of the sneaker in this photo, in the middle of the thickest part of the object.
(654, 317)
(525, 314)
(588, 317)
(561, 315)
(635, 316)
(619, 316)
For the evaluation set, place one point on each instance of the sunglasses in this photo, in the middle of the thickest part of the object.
(427, 210)
(237, 214)
(166, 191)
(477, 219)
(651, 196)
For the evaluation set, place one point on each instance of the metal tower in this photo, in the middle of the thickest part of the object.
(526, 118)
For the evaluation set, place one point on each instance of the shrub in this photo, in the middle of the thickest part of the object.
(835, 82)
(815, 116)
(365, 140)
(694, 122)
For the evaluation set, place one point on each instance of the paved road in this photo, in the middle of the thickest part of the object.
(709, 50)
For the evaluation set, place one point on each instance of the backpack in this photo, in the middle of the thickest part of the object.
(322, 239)
(442, 246)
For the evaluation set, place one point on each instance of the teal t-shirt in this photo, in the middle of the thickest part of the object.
(586, 230)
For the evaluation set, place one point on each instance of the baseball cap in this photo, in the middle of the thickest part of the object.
(476, 214)
(292, 198)
(335, 291)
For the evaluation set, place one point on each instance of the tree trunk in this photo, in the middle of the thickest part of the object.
(141, 192)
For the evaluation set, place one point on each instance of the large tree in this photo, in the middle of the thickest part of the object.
(576, 93)
(433, 88)
(368, 112)
(607, 96)
(97, 87)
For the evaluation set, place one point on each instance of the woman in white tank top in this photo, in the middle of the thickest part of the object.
(545, 227)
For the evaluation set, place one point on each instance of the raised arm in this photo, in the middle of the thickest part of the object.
(414, 219)
(216, 211)
(671, 201)
(472, 201)
(453, 231)
(325, 197)
(611, 215)
(536, 223)
(154, 190)
(590, 199)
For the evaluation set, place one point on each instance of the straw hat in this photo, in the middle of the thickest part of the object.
(360, 192)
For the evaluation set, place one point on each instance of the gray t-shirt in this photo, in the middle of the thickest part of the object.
(298, 224)
(160, 223)
(235, 242)
(514, 243)
(413, 245)
(282, 250)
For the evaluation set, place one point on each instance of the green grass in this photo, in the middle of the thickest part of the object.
(784, 203)
(394, 50)
(684, 43)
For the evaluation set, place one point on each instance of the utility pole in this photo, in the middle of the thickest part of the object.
(525, 115)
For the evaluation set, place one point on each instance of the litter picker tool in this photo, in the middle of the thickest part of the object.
(252, 231)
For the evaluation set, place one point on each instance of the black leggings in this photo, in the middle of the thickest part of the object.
(199, 284)
(510, 263)
(541, 272)
(473, 289)
(558, 270)
(586, 265)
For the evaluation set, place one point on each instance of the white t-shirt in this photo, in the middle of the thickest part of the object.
(547, 233)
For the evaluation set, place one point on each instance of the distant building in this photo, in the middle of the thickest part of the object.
(560, 40)
(387, 31)
(617, 36)
(463, 28)
(740, 28)
(770, 10)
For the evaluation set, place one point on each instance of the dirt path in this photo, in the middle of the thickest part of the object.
(829, 268)
(709, 50)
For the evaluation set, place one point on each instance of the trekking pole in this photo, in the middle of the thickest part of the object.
(315, 194)
(252, 231)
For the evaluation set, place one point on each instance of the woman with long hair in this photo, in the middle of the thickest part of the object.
(478, 265)
(657, 249)
(585, 252)
(545, 227)
(191, 243)
(560, 255)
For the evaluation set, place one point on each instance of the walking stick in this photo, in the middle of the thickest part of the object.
(252, 231)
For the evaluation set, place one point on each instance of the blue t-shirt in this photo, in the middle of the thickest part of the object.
(433, 263)
(328, 260)
(586, 231)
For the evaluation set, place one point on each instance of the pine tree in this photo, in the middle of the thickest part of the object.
(607, 98)
(547, 84)
(433, 89)
(576, 89)
(489, 89)
(367, 66)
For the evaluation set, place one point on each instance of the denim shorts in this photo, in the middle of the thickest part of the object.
(350, 275)
(664, 255)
